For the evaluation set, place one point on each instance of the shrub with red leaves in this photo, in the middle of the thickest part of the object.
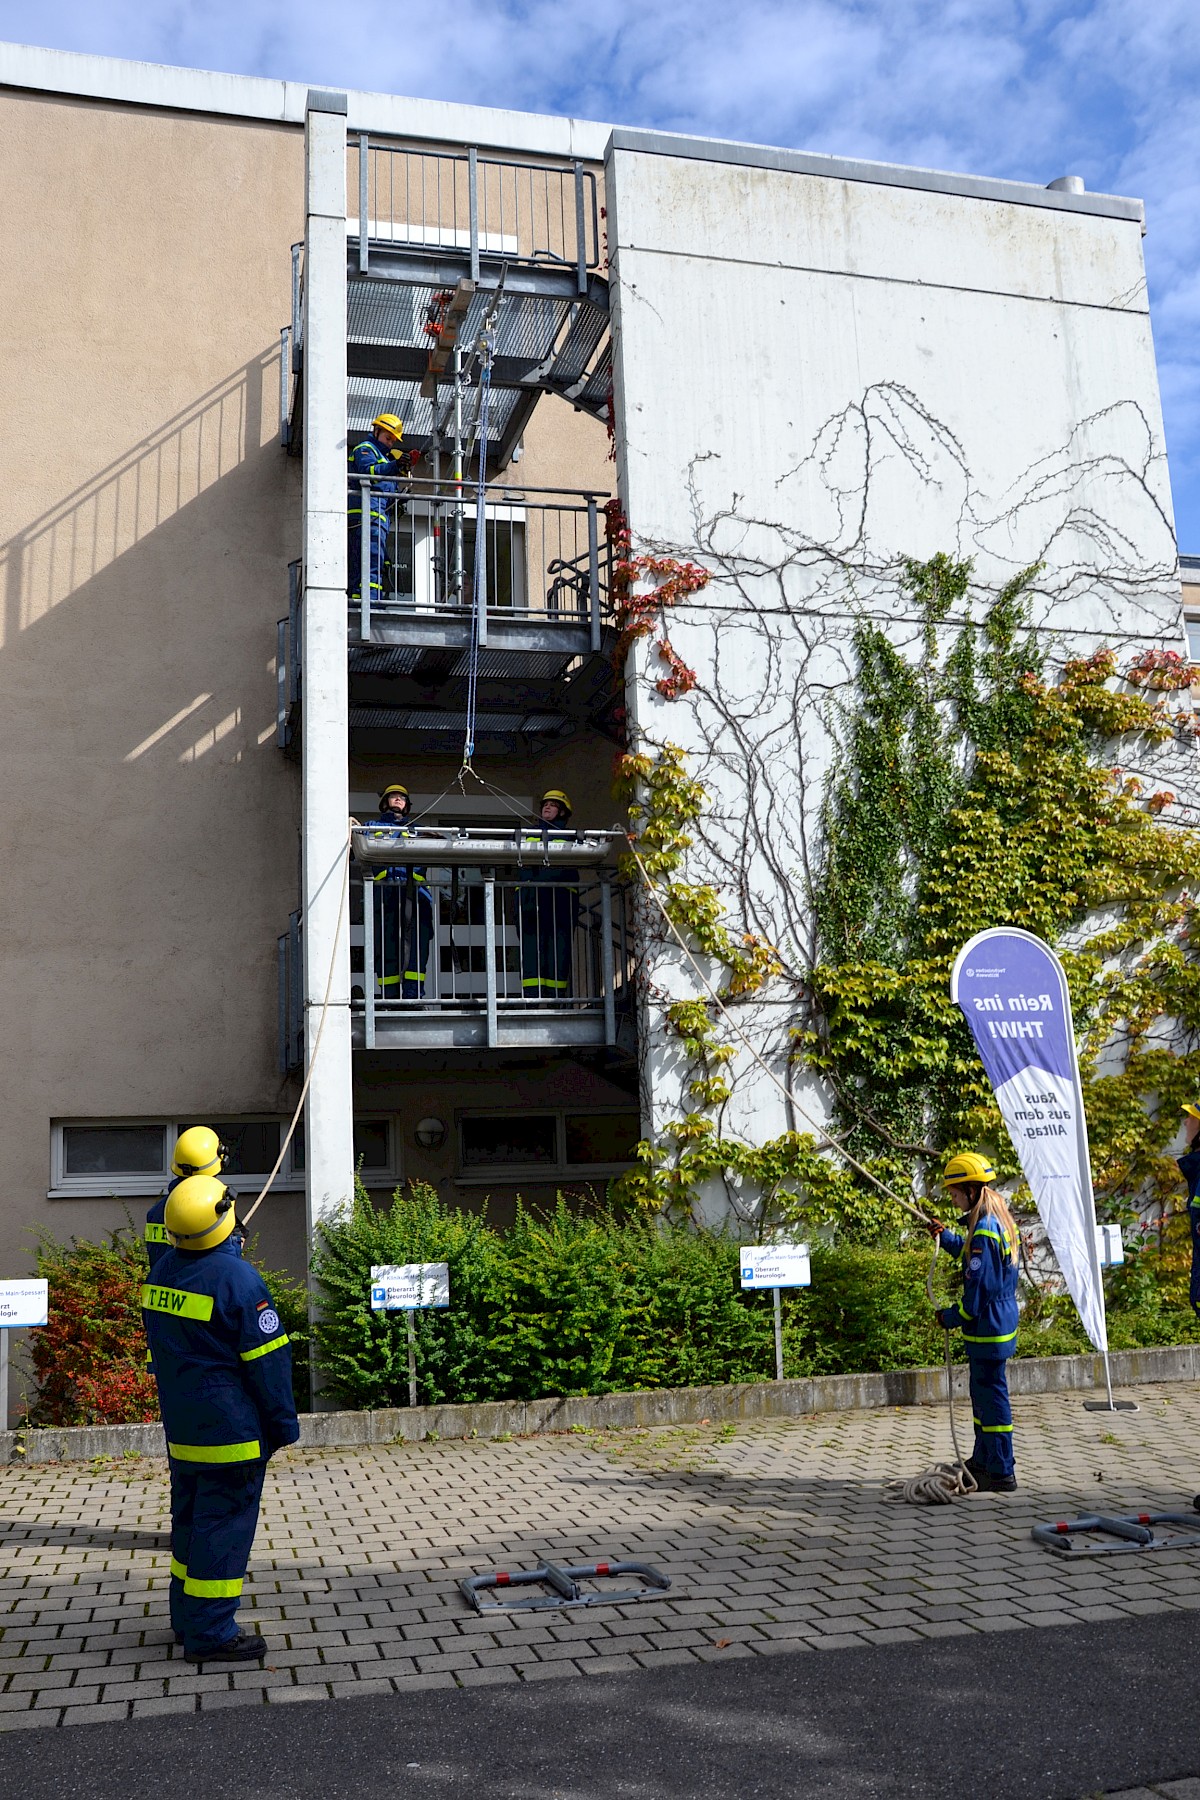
(90, 1360)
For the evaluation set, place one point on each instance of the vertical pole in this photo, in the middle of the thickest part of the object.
(457, 580)
(3, 1377)
(607, 976)
(489, 959)
(778, 1335)
(328, 1111)
(364, 561)
(369, 964)
(593, 572)
(364, 224)
(281, 683)
(285, 338)
(297, 302)
(412, 1357)
(580, 233)
(473, 208)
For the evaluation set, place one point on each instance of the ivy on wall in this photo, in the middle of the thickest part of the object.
(970, 790)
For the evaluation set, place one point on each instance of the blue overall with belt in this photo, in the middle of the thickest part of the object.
(1189, 1168)
(988, 1317)
(403, 925)
(224, 1374)
(370, 458)
(547, 917)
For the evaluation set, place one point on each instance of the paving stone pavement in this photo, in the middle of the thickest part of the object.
(776, 1537)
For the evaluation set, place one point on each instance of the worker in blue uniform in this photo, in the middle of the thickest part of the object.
(1189, 1168)
(404, 917)
(224, 1375)
(987, 1314)
(547, 908)
(380, 456)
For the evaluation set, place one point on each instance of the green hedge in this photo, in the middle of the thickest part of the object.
(591, 1305)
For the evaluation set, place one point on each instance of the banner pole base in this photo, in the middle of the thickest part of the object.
(1109, 1405)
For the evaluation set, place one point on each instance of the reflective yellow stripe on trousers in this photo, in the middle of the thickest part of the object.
(212, 1590)
(216, 1453)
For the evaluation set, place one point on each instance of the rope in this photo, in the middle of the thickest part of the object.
(246, 1217)
(820, 1130)
(480, 595)
(942, 1482)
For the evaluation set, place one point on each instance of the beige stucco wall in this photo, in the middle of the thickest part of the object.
(148, 824)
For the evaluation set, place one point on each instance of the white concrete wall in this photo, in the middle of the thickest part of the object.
(818, 376)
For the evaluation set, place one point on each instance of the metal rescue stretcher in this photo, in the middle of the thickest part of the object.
(565, 1586)
(1132, 1531)
(381, 846)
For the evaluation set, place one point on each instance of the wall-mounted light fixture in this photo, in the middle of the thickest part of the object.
(430, 1134)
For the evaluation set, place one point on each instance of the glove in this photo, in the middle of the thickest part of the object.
(947, 1323)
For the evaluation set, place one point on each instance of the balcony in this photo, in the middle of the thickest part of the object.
(546, 570)
(529, 948)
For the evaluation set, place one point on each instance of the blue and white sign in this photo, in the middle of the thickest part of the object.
(404, 1287)
(24, 1303)
(775, 1266)
(1013, 993)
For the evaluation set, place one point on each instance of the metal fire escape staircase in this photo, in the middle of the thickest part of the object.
(442, 242)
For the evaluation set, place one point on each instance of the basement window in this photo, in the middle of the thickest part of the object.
(130, 1159)
(545, 1146)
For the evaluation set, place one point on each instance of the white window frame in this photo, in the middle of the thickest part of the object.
(115, 1186)
(385, 1177)
(1191, 616)
(559, 1170)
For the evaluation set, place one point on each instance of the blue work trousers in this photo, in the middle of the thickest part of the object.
(1194, 1222)
(378, 532)
(547, 916)
(214, 1513)
(403, 934)
(992, 1413)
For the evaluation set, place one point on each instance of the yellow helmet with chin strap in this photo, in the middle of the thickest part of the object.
(394, 787)
(560, 799)
(198, 1151)
(388, 422)
(967, 1166)
(199, 1213)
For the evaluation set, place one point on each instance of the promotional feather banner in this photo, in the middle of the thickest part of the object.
(1013, 993)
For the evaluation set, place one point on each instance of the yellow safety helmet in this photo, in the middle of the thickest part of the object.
(558, 795)
(199, 1213)
(198, 1151)
(395, 788)
(967, 1166)
(1192, 1111)
(389, 422)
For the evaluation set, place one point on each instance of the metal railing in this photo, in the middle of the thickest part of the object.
(291, 997)
(288, 658)
(533, 213)
(545, 560)
(545, 956)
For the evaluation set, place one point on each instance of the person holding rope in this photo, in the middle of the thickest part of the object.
(987, 1315)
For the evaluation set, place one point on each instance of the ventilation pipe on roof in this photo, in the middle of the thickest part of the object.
(1066, 184)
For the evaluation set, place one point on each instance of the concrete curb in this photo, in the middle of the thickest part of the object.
(619, 1412)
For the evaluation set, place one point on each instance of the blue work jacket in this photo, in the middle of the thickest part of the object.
(401, 873)
(987, 1313)
(221, 1358)
(385, 470)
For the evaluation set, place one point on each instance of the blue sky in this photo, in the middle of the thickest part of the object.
(1027, 89)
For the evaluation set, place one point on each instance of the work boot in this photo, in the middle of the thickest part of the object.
(239, 1649)
(995, 1484)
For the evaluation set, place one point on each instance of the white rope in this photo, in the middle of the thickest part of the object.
(245, 1218)
(942, 1482)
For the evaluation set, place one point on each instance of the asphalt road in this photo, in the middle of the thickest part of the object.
(1053, 1714)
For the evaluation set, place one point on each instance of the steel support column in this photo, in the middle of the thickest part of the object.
(329, 1132)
